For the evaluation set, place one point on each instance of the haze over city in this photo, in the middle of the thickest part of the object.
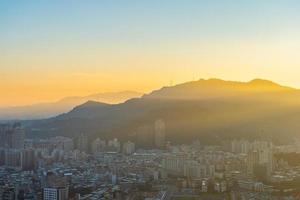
(149, 100)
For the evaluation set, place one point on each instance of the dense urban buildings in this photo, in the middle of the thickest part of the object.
(61, 168)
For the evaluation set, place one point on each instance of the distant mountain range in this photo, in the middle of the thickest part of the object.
(210, 110)
(46, 110)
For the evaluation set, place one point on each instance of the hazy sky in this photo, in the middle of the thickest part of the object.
(50, 49)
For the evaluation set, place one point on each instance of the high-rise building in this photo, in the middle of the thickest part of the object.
(12, 136)
(98, 145)
(4, 128)
(114, 145)
(252, 161)
(82, 143)
(28, 159)
(144, 136)
(55, 193)
(174, 164)
(56, 188)
(2, 156)
(63, 143)
(192, 169)
(159, 133)
(8, 193)
(17, 137)
(266, 158)
(13, 158)
(240, 146)
(264, 151)
(128, 148)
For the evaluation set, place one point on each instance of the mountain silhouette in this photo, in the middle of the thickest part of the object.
(45, 110)
(210, 110)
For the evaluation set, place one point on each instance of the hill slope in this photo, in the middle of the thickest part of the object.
(45, 110)
(206, 109)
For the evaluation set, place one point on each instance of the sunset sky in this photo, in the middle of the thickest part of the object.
(55, 48)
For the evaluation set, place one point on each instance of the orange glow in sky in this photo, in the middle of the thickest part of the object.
(50, 50)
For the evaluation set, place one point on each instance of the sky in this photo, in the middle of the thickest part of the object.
(50, 49)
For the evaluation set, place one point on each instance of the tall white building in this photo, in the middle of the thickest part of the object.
(56, 188)
(59, 193)
(159, 133)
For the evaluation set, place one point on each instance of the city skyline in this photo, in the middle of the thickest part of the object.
(149, 100)
(50, 50)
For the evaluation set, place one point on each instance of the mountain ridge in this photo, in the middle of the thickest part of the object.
(45, 110)
(202, 109)
(216, 87)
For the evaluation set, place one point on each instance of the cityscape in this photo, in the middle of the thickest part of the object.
(75, 168)
(149, 100)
